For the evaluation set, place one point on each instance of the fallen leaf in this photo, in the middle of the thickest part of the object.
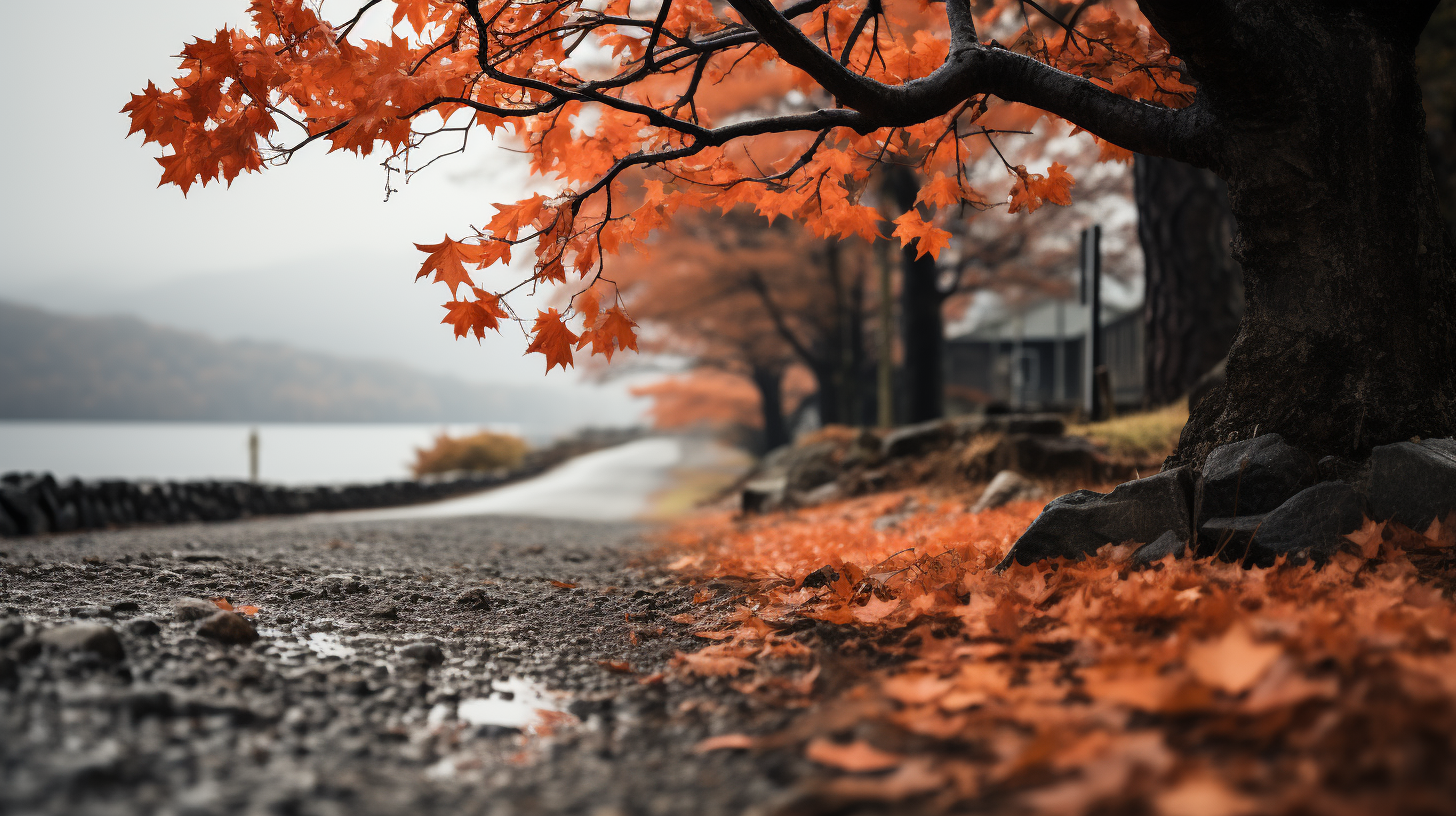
(223, 603)
(619, 666)
(1233, 662)
(724, 742)
(1202, 796)
(563, 585)
(855, 757)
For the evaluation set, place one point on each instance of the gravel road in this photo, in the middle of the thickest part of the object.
(400, 667)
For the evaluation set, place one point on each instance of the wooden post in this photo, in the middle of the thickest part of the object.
(1092, 297)
(253, 456)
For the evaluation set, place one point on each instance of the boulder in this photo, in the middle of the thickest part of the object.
(25, 511)
(228, 627)
(1312, 524)
(918, 439)
(1252, 477)
(1078, 523)
(1413, 483)
(1169, 543)
(1228, 536)
(812, 465)
(94, 638)
(1008, 486)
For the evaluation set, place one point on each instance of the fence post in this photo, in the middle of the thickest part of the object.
(1092, 298)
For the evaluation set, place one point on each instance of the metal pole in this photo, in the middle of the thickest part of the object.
(1092, 296)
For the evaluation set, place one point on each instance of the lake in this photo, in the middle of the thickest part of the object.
(289, 453)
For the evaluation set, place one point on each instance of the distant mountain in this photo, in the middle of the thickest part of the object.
(64, 367)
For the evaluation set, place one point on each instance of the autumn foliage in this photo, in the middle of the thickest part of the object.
(483, 451)
(632, 116)
(1194, 687)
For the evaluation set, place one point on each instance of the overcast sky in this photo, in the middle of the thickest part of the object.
(308, 254)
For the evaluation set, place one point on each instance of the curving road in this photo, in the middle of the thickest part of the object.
(616, 484)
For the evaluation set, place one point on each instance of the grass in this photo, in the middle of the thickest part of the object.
(1144, 436)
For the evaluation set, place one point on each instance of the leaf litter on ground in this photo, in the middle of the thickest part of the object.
(1193, 688)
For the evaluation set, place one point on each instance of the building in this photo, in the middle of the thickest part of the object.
(1035, 359)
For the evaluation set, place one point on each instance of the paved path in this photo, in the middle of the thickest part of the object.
(617, 484)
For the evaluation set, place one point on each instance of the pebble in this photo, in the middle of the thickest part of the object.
(126, 606)
(143, 627)
(187, 609)
(96, 638)
(228, 627)
(423, 651)
(387, 611)
(10, 629)
(476, 598)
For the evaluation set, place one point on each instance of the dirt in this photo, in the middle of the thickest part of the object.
(398, 669)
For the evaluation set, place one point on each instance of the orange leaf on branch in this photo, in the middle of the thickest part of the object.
(552, 339)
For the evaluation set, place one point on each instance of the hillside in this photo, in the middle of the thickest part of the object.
(64, 367)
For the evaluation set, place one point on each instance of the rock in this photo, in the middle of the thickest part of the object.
(11, 629)
(143, 627)
(188, 609)
(424, 652)
(918, 439)
(89, 612)
(1071, 457)
(1167, 544)
(228, 627)
(1312, 524)
(764, 495)
(1230, 537)
(476, 598)
(9, 677)
(96, 638)
(1078, 523)
(1008, 486)
(126, 606)
(387, 611)
(1252, 477)
(822, 494)
(812, 465)
(1413, 483)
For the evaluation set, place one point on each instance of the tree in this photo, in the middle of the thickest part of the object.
(737, 292)
(1193, 289)
(1310, 111)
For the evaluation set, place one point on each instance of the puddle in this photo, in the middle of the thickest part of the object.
(530, 707)
(322, 644)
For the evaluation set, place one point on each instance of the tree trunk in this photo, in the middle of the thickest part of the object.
(769, 381)
(922, 330)
(1349, 333)
(1194, 293)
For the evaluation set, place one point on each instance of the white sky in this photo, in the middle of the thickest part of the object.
(307, 254)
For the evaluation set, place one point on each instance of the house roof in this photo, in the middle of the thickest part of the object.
(1042, 321)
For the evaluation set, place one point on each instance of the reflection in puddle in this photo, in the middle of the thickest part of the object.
(328, 644)
(322, 644)
(530, 707)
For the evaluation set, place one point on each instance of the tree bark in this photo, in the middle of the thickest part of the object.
(1349, 333)
(769, 381)
(1193, 293)
(921, 325)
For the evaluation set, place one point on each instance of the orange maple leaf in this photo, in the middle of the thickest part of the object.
(552, 339)
(447, 260)
(475, 315)
(855, 757)
(612, 333)
(929, 239)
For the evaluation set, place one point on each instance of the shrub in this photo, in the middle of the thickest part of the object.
(482, 451)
